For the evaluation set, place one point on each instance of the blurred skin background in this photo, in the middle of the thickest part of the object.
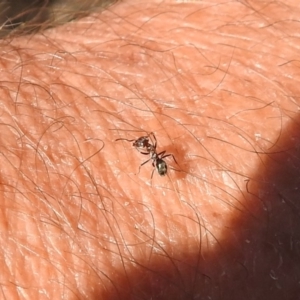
(218, 84)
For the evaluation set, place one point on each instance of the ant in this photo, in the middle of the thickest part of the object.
(147, 145)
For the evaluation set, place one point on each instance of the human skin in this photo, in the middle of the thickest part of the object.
(218, 84)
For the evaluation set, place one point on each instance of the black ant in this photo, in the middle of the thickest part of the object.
(147, 145)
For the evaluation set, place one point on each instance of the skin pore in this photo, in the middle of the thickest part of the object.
(218, 84)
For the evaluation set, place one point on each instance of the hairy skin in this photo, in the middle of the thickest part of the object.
(218, 84)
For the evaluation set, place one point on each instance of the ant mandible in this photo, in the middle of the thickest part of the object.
(147, 145)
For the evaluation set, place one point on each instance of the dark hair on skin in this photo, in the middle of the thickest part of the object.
(27, 16)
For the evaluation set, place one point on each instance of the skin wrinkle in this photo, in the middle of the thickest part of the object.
(217, 84)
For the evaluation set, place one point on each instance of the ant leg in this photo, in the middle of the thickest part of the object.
(145, 153)
(152, 175)
(124, 140)
(153, 139)
(164, 156)
(146, 161)
(143, 164)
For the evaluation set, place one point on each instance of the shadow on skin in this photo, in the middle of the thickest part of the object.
(258, 257)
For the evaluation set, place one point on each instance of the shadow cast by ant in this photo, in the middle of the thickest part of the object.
(181, 169)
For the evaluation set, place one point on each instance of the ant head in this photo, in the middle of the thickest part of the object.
(141, 142)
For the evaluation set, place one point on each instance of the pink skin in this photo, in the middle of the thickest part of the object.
(218, 84)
